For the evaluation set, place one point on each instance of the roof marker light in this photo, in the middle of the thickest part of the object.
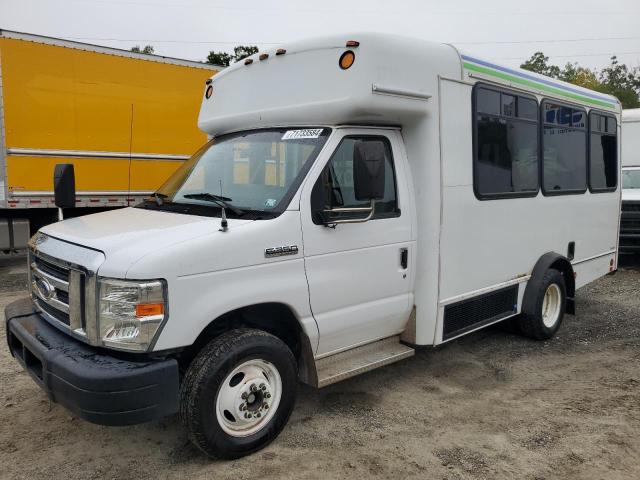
(347, 59)
(248, 61)
(208, 92)
(208, 82)
(352, 43)
(263, 56)
(281, 51)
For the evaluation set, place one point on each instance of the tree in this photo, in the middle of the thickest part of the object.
(225, 59)
(219, 58)
(581, 76)
(148, 49)
(617, 79)
(244, 51)
(622, 82)
(540, 64)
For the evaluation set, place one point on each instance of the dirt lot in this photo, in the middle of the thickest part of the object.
(492, 405)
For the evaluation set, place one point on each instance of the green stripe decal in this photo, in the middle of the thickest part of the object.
(539, 86)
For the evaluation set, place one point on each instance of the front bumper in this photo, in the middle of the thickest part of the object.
(92, 384)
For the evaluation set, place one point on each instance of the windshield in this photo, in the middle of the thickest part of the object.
(630, 179)
(254, 170)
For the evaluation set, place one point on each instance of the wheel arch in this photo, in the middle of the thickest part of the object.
(550, 260)
(276, 318)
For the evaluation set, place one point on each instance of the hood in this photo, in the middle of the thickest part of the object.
(631, 194)
(127, 234)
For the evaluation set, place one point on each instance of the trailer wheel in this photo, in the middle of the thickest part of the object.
(238, 393)
(548, 309)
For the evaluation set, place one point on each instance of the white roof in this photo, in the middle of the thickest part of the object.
(630, 137)
(306, 86)
(390, 82)
(631, 115)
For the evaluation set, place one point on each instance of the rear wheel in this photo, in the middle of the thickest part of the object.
(548, 310)
(238, 393)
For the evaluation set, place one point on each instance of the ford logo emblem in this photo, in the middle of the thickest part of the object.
(45, 289)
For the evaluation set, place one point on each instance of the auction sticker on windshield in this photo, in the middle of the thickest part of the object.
(305, 133)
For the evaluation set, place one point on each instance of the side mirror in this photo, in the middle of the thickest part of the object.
(64, 185)
(368, 170)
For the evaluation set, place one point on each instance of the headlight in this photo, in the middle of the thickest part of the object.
(130, 312)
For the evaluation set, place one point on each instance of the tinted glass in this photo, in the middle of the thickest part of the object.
(597, 123)
(557, 114)
(549, 112)
(565, 159)
(611, 125)
(508, 103)
(507, 156)
(527, 108)
(603, 171)
(337, 178)
(578, 119)
(488, 101)
(552, 113)
(631, 179)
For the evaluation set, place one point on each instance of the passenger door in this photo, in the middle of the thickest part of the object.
(358, 273)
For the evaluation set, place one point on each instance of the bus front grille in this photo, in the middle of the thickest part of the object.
(630, 227)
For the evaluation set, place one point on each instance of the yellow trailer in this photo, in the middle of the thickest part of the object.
(125, 120)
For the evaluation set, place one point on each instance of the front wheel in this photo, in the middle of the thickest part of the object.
(548, 309)
(238, 393)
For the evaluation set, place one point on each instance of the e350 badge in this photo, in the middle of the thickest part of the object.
(281, 251)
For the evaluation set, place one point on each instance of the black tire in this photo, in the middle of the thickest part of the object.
(531, 323)
(201, 384)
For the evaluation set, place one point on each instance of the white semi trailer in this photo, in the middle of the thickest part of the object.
(630, 221)
(359, 197)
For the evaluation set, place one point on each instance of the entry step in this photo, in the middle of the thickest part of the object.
(361, 359)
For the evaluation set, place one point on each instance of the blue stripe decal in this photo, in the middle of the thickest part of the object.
(539, 80)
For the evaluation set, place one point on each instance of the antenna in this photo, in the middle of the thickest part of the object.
(224, 226)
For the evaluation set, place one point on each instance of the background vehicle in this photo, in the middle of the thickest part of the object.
(630, 220)
(124, 119)
(359, 198)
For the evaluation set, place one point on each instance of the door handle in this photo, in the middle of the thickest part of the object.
(404, 258)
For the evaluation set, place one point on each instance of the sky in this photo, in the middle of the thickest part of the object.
(504, 31)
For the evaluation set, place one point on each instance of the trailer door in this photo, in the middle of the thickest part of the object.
(358, 273)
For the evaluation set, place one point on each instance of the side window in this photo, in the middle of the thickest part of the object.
(603, 153)
(334, 188)
(506, 149)
(564, 144)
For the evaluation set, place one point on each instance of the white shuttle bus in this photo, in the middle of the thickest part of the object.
(630, 221)
(360, 197)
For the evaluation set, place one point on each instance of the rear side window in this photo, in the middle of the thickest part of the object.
(603, 153)
(564, 144)
(506, 144)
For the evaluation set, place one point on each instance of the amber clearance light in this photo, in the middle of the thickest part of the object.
(347, 59)
(149, 309)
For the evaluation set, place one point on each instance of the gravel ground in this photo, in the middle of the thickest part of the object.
(491, 405)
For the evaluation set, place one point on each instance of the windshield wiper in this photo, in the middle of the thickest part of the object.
(159, 198)
(217, 199)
